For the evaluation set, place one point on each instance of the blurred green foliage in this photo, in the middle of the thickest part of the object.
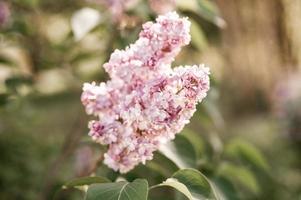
(43, 125)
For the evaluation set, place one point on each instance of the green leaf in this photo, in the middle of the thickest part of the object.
(190, 182)
(174, 183)
(195, 181)
(180, 151)
(246, 152)
(224, 189)
(162, 165)
(137, 190)
(242, 176)
(209, 11)
(86, 181)
(196, 140)
(212, 109)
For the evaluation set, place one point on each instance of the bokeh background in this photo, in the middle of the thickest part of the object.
(49, 48)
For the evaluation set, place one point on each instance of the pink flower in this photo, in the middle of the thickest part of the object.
(146, 102)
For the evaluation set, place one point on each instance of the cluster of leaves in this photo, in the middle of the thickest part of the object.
(186, 166)
(190, 182)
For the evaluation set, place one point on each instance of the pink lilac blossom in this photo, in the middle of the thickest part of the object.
(146, 102)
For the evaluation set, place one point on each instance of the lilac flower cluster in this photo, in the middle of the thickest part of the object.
(146, 102)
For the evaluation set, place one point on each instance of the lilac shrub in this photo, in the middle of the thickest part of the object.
(145, 102)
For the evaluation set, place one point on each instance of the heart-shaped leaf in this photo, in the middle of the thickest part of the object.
(137, 190)
(174, 183)
(190, 182)
(196, 182)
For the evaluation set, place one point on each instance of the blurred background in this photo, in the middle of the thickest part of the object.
(249, 127)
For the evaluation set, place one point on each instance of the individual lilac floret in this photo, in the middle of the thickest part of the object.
(146, 102)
